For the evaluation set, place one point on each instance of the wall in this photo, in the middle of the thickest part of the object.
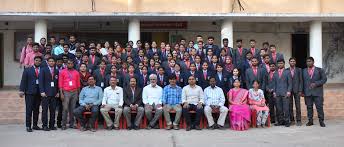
(175, 6)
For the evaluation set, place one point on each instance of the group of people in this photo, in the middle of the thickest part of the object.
(151, 81)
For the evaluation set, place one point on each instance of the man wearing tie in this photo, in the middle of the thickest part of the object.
(29, 86)
(313, 80)
(100, 74)
(132, 97)
(255, 73)
(49, 91)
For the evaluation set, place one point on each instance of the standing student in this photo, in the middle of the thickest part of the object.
(254, 73)
(269, 90)
(69, 84)
(313, 80)
(239, 55)
(282, 92)
(99, 75)
(49, 91)
(296, 76)
(29, 86)
(26, 50)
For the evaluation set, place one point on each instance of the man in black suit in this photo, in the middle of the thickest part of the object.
(99, 75)
(29, 86)
(132, 97)
(313, 80)
(255, 73)
(49, 91)
(296, 77)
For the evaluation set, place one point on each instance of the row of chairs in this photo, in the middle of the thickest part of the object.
(162, 121)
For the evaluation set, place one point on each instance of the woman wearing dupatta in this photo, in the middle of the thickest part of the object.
(240, 113)
(257, 102)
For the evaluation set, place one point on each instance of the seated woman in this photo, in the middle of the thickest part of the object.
(257, 102)
(240, 113)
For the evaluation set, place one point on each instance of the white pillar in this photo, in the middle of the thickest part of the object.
(315, 42)
(41, 29)
(227, 31)
(134, 30)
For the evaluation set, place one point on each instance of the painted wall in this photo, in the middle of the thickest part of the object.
(175, 6)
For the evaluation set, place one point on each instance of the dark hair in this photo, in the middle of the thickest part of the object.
(272, 45)
(292, 58)
(78, 50)
(91, 76)
(225, 39)
(272, 63)
(35, 44)
(65, 44)
(82, 64)
(239, 40)
(49, 45)
(38, 57)
(211, 37)
(51, 58)
(199, 36)
(265, 55)
(255, 81)
(172, 77)
(266, 43)
(252, 40)
(310, 58)
(280, 60)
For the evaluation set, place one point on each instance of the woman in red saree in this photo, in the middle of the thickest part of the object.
(240, 113)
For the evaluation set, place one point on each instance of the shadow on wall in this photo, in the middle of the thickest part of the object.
(333, 58)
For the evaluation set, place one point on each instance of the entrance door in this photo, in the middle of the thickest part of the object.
(159, 37)
(300, 49)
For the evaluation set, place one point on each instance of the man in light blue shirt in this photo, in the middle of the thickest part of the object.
(90, 98)
(214, 100)
(59, 49)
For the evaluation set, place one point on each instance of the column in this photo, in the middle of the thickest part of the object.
(227, 31)
(134, 30)
(315, 42)
(40, 29)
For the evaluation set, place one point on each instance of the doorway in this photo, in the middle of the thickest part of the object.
(158, 37)
(300, 49)
(1, 60)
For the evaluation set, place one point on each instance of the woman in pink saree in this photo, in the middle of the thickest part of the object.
(240, 113)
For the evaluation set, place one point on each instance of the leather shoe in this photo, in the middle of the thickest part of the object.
(28, 129)
(322, 124)
(136, 128)
(36, 128)
(287, 124)
(188, 128)
(197, 128)
(46, 129)
(310, 123)
(63, 128)
(298, 123)
(175, 127)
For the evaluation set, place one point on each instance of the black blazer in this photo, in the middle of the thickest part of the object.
(297, 80)
(45, 79)
(250, 77)
(319, 78)
(128, 95)
(28, 82)
(99, 78)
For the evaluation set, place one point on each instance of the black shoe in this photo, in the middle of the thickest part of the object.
(221, 127)
(28, 129)
(278, 124)
(212, 127)
(188, 128)
(130, 128)
(149, 127)
(298, 123)
(136, 128)
(287, 124)
(59, 126)
(52, 128)
(310, 123)
(197, 128)
(63, 128)
(322, 124)
(36, 128)
(46, 129)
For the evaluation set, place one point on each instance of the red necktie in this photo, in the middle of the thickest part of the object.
(310, 72)
(280, 71)
(292, 72)
(102, 73)
(254, 70)
(144, 79)
(271, 75)
(37, 72)
(52, 73)
(177, 75)
(253, 51)
(205, 75)
(93, 58)
(240, 51)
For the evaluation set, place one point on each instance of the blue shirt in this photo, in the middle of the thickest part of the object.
(172, 95)
(91, 95)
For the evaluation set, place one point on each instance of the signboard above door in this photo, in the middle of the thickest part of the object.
(164, 24)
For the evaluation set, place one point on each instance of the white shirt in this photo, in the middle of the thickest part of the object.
(152, 95)
(214, 96)
(113, 96)
(192, 95)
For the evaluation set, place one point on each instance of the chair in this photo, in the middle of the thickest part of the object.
(254, 119)
(86, 114)
(214, 111)
(201, 124)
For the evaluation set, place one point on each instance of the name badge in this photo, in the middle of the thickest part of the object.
(196, 79)
(102, 84)
(37, 81)
(117, 80)
(181, 80)
(52, 84)
(225, 79)
(70, 83)
(89, 70)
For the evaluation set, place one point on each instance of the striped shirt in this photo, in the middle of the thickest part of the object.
(214, 96)
(172, 95)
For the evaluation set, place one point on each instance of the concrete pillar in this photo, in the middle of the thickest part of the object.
(134, 30)
(227, 31)
(41, 29)
(315, 42)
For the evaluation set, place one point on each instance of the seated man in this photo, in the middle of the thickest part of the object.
(113, 99)
(151, 97)
(90, 98)
(192, 99)
(214, 100)
(172, 99)
(132, 98)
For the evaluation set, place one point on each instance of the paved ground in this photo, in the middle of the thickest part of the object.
(332, 135)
